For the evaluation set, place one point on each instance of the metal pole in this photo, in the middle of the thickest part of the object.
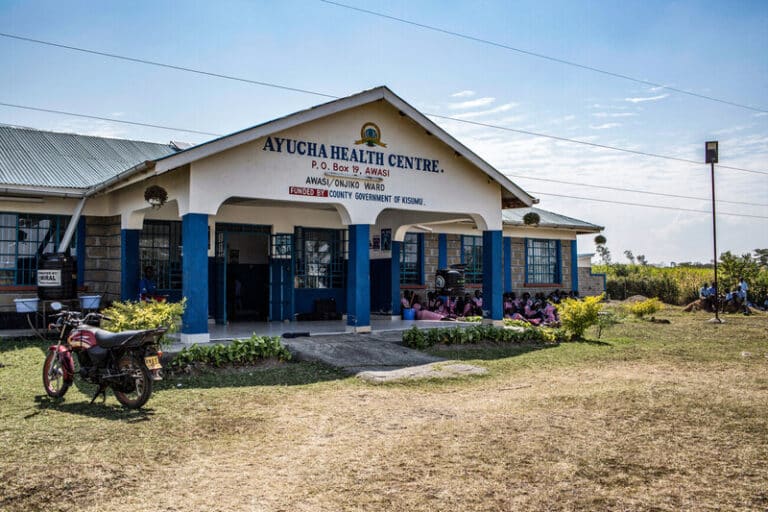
(714, 244)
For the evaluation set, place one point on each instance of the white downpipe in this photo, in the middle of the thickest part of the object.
(70, 232)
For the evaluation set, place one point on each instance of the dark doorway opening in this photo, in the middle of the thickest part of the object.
(242, 261)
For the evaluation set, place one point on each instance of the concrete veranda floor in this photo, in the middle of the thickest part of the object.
(219, 333)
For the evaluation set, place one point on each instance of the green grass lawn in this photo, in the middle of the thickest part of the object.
(650, 417)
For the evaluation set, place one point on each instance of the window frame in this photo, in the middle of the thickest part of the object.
(311, 272)
(412, 272)
(535, 272)
(167, 270)
(473, 271)
(11, 272)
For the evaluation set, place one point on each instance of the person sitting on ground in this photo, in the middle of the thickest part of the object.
(477, 303)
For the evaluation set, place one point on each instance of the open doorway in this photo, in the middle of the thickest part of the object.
(242, 273)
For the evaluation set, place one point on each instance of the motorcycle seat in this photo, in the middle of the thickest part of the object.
(106, 339)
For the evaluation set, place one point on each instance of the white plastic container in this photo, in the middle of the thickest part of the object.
(90, 301)
(26, 305)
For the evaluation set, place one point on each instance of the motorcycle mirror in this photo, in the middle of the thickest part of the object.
(56, 306)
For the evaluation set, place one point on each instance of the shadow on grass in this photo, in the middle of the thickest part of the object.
(97, 409)
(278, 374)
(486, 351)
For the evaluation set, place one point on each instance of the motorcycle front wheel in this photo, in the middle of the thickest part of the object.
(53, 376)
(138, 387)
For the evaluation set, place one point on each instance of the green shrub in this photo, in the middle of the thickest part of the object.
(577, 316)
(420, 339)
(144, 315)
(606, 320)
(239, 352)
(646, 307)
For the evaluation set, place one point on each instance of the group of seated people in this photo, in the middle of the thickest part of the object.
(734, 300)
(441, 307)
(537, 310)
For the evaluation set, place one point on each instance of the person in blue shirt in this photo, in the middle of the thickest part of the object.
(744, 288)
(147, 286)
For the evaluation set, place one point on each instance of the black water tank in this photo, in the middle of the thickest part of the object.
(450, 281)
(56, 277)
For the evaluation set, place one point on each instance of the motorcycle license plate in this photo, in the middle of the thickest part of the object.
(152, 362)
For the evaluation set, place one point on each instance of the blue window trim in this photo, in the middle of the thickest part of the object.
(473, 275)
(337, 271)
(558, 278)
(420, 252)
(26, 275)
(168, 271)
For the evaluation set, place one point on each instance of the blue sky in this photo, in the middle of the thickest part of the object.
(712, 48)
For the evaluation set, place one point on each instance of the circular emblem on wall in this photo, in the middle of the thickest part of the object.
(370, 135)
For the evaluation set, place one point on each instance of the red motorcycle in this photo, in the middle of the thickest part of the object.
(128, 361)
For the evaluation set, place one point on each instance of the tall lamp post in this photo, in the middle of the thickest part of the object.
(711, 158)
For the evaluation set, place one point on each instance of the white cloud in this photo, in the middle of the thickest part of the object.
(643, 99)
(760, 114)
(463, 94)
(478, 113)
(614, 114)
(479, 102)
(604, 126)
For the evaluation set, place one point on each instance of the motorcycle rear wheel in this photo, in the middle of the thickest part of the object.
(53, 376)
(141, 389)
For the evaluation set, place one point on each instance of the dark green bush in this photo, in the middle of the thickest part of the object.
(423, 338)
(239, 352)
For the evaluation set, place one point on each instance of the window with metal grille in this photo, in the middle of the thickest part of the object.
(282, 246)
(472, 258)
(160, 248)
(410, 259)
(542, 261)
(23, 239)
(320, 255)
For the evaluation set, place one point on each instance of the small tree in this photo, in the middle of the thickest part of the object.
(630, 256)
(577, 316)
(733, 267)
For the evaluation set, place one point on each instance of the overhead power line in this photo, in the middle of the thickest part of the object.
(331, 96)
(675, 208)
(634, 190)
(165, 65)
(533, 192)
(110, 119)
(592, 144)
(545, 57)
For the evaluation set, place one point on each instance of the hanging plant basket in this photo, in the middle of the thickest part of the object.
(156, 196)
(600, 240)
(531, 219)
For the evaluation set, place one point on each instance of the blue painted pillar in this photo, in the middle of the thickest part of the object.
(574, 266)
(194, 277)
(395, 277)
(442, 250)
(80, 251)
(358, 279)
(492, 278)
(507, 264)
(130, 272)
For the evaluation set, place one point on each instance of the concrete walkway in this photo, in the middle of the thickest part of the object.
(377, 357)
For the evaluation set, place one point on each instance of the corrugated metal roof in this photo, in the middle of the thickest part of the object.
(514, 217)
(65, 160)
